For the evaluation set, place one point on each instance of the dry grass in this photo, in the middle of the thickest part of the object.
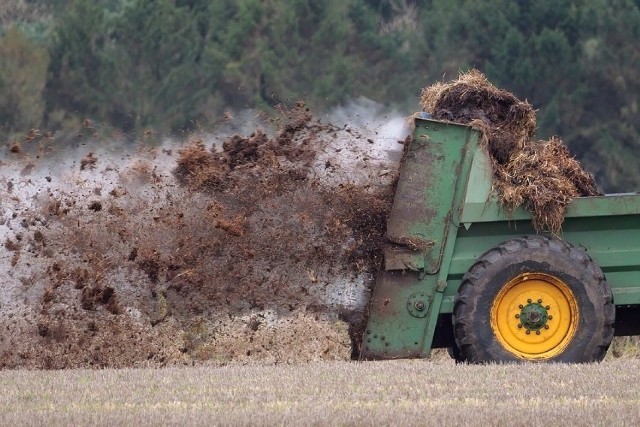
(342, 393)
(624, 347)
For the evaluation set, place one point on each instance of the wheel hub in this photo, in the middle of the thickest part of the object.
(533, 316)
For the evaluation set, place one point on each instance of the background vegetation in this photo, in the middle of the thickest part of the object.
(175, 65)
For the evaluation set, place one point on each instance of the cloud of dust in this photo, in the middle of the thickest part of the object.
(111, 261)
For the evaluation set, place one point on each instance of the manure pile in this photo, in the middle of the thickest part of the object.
(243, 248)
(541, 176)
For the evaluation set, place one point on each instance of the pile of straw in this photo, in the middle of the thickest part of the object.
(541, 176)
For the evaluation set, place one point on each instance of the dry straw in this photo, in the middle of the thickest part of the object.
(540, 176)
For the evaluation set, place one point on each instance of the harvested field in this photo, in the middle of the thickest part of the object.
(253, 247)
(330, 393)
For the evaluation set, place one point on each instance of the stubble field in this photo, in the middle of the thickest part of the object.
(403, 392)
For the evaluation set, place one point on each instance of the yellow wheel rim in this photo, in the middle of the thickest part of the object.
(535, 316)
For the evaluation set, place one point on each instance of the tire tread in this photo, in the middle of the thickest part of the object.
(464, 307)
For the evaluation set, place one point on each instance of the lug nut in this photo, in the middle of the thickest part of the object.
(547, 307)
(537, 332)
(550, 317)
(519, 325)
(528, 332)
(517, 316)
(546, 326)
(529, 300)
(539, 301)
(521, 306)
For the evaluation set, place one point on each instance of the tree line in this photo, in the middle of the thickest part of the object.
(177, 65)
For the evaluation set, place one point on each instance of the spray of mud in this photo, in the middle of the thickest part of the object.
(258, 247)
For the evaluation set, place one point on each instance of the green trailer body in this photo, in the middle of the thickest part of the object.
(445, 217)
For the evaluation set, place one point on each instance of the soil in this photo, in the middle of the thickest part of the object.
(258, 248)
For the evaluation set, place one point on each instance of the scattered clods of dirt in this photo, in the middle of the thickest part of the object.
(95, 206)
(258, 248)
(541, 176)
(10, 245)
(99, 295)
(88, 162)
(240, 150)
(199, 169)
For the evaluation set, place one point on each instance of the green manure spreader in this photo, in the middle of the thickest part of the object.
(464, 273)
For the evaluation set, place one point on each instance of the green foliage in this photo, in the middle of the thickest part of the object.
(174, 64)
(23, 71)
(137, 65)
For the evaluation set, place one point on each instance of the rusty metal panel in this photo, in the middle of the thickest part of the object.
(398, 316)
(424, 199)
(406, 299)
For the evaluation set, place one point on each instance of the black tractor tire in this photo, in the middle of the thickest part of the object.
(475, 332)
(454, 353)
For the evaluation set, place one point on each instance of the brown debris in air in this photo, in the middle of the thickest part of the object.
(15, 147)
(199, 169)
(261, 248)
(89, 162)
(541, 176)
